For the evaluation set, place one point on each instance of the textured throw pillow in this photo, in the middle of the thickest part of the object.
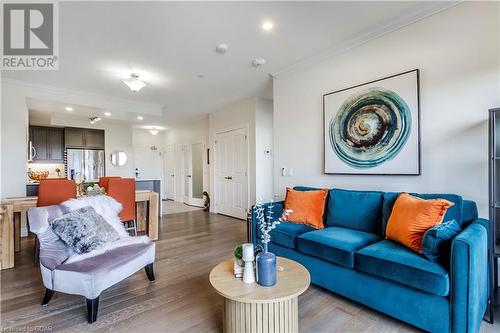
(411, 217)
(84, 230)
(104, 205)
(307, 207)
(436, 243)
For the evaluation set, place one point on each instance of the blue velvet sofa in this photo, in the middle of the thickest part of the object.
(352, 258)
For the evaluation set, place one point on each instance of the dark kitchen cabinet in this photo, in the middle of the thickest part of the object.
(74, 137)
(46, 144)
(84, 138)
(94, 138)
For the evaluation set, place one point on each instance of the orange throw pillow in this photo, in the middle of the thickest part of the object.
(411, 217)
(307, 206)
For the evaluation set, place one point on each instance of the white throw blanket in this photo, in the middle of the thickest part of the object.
(108, 208)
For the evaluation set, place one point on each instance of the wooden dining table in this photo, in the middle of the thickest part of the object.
(11, 210)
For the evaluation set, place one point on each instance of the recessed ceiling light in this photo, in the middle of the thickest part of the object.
(140, 117)
(221, 48)
(68, 108)
(267, 26)
(107, 114)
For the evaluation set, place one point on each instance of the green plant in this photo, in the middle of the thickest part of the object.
(238, 252)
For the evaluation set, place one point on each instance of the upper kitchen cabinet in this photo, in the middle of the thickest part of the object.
(46, 144)
(84, 138)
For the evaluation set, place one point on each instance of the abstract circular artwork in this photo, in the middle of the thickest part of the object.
(370, 128)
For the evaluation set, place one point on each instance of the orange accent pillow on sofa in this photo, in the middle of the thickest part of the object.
(411, 217)
(307, 206)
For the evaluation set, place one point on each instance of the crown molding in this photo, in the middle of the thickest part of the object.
(92, 99)
(365, 37)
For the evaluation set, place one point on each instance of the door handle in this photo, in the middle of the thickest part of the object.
(189, 176)
(172, 175)
(228, 178)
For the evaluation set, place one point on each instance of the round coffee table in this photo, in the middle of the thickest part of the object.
(252, 308)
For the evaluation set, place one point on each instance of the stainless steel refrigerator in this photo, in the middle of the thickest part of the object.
(85, 164)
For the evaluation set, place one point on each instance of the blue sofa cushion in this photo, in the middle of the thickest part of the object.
(335, 244)
(436, 243)
(389, 260)
(359, 210)
(286, 233)
(453, 213)
(469, 213)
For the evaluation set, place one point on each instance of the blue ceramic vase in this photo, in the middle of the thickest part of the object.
(266, 268)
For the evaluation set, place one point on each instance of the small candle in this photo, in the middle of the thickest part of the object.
(248, 252)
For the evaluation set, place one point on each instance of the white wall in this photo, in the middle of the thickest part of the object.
(183, 134)
(14, 133)
(264, 143)
(457, 52)
(237, 115)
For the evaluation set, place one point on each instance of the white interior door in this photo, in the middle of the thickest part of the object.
(149, 163)
(193, 173)
(231, 173)
(170, 172)
(186, 165)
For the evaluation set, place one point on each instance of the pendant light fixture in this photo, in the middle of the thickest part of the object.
(153, 131)
(134, 83)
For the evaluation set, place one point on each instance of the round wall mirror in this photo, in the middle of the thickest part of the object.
(118, 158)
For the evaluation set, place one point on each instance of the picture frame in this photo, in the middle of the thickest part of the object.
(373, 128)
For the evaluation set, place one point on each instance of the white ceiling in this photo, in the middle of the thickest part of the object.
(170, 43)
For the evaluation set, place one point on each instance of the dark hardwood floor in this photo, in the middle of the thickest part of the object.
(181, 299)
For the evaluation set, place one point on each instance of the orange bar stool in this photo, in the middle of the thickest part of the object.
(123, 191)
(104, 181)
(55, 191)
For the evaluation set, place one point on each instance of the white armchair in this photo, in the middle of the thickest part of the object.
(87, 274)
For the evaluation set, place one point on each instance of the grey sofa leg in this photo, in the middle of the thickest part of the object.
(48, 295)
(149, 272)
(92, 306)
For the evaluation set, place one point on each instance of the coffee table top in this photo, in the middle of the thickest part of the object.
(292, 281)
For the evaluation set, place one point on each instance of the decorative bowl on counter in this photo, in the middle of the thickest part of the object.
(38, 175)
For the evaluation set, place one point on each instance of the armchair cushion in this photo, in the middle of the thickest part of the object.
(84, 230)
(89, 275)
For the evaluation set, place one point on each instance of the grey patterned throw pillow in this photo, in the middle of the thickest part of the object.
(84, 230)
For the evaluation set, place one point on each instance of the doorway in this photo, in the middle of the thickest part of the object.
(148, 163)
(170, 172)
(193, 173)
(231, 173)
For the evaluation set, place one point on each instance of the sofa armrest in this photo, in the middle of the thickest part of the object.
(469, 278)
(277, 212)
